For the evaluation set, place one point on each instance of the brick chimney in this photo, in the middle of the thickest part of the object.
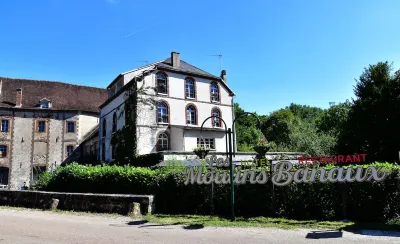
(223, 75)
(18, 103)
(175, 60)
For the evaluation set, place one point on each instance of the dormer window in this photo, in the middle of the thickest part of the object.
(45, 103)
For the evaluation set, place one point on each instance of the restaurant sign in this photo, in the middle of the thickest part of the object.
(282, 173)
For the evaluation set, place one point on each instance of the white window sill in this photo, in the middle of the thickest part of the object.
(191, 98)
(162, 94)
(162, 123)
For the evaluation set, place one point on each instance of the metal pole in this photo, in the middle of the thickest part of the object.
(232, 172)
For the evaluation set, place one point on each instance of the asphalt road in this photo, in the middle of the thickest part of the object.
(32, 227)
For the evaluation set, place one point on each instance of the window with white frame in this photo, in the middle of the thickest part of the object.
(191, 115)
(206, 142)
(162, 86)
(217, 119)
(190, 88)
(162, 142)
(45, 103)
(214, 92)
(162, 113)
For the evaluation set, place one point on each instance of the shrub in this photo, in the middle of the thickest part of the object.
(365, 201)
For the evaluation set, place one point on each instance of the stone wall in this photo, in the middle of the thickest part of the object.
(21, 149)
(28, 149)
(102, 203)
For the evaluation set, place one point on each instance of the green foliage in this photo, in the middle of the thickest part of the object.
(125, 139)
(244, 147)
(247, 133)
(279, 125)
(297, 201)
(331, 121)
(305, 112)
(372, 124)
(305, 138)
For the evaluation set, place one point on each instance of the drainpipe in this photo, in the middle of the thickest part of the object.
(184, 140)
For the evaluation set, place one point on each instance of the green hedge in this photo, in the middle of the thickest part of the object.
(366, 201)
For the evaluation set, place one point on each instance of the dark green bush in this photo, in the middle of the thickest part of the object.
(366, 201)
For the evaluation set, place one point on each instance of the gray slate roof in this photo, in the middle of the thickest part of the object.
(185, 67)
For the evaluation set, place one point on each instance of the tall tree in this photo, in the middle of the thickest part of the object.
(373, 123)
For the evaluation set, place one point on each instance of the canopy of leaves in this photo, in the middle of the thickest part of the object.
(373, 123)
(332, 120)
(279, 125)
(305, 112)
(247, 131)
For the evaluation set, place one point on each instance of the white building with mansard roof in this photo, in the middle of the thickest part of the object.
(185, 95)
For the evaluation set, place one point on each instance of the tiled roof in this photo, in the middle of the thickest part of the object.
(63, 96)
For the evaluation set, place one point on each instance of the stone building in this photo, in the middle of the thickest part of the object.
(42, 125)
(185, 95)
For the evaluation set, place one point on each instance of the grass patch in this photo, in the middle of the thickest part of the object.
(261, 222)
(264, 222)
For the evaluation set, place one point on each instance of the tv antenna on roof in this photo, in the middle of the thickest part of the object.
(220, 60)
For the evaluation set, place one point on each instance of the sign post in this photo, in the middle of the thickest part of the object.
(230, 152)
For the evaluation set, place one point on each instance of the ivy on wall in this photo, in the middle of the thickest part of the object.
(125, 139)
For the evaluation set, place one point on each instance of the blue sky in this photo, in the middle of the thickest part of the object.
(275, 52)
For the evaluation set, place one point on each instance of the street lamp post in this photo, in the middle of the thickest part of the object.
(230, 151)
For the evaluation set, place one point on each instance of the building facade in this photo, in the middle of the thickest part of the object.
(42, 126)
(185, 96)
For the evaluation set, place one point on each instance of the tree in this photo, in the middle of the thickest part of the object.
(306, 139)
(331, 121)
(305, 112)
(373, 122)
(247, 133)
(279, 125)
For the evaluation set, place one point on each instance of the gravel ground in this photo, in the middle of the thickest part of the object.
(31, 226)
